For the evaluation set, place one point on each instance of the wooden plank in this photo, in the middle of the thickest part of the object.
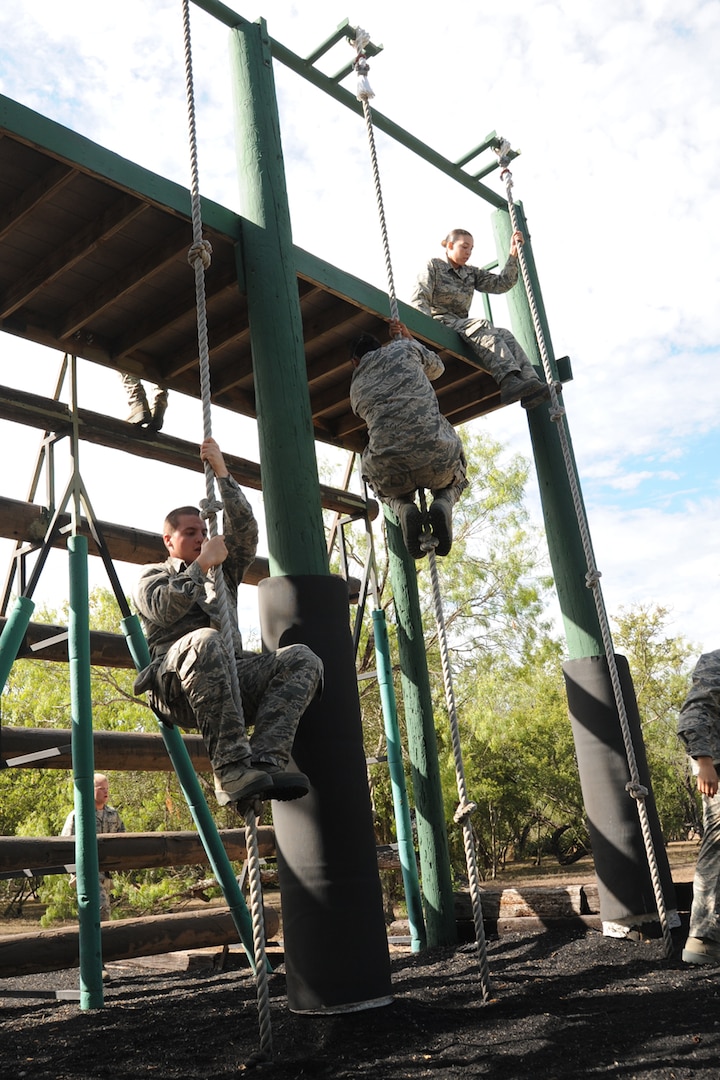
(125, 750)
(122, 939)
(127, 851)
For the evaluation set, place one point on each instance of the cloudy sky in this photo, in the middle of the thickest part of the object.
(615, 108)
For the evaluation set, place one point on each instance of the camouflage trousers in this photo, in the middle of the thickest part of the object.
(191, 687)
(430, 468)
(705, 911)
(136, 394)
(451, 489)
(496, 348)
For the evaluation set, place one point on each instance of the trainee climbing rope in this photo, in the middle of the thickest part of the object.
(423, 530)
(411, 445)
(445, 290)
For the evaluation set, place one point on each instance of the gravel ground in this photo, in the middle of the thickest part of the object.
(564, 1003)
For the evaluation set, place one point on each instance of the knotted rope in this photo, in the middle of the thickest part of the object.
(465, 807)
(592, 578)
(199, 257)
(364, 93)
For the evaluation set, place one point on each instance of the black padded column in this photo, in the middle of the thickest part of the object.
(333, 924)
(624, 882)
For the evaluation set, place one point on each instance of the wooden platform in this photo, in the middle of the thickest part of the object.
(95, 263)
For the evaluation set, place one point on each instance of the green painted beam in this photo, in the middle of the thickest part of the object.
(435, 870)
(306, 69)
(293, 514)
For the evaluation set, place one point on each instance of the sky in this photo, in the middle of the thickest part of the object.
(615, 110)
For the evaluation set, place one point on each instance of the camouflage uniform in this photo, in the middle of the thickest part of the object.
(411, 444)
(189, 678)
(107, 820)
(699, 729)
(138, 402)
(446, 292)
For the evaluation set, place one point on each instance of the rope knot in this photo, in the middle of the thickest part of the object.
(463, 812)
(208, 507)
(200, 250)
(592, 578)
(361, 66)
(636, 790)
(557, 414)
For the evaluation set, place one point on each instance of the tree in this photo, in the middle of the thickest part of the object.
(35, 802)
(661, 668)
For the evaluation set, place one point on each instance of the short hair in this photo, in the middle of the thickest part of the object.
(173, 518)
(364, 344)
(454, 235)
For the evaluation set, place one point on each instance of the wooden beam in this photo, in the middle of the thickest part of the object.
(122, 211)
(124, 281)
(26, 523)
(32, 410)
(122, 939)
(45, 642)
(128, 751)
(127, 851)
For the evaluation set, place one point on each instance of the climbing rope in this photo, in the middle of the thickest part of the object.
(364, 93)
(465, 808)
(199, 257)
(634, 787)
(428, 542)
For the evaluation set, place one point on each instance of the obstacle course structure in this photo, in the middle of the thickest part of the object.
(77, 217)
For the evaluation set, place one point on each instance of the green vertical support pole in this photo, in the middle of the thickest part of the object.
(433, 848)
(291, 491)
(12, 635)
(83, 759)
(619, 853)
(582, 628)
(318, 879)
(403, 824)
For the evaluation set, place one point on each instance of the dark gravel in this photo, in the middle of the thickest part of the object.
(565, 1003)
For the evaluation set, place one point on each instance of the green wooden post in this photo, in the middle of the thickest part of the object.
(618, 849)
(422, 745)
(403, 824)
(13, 634)
(582, 628)
(318, 880)
(83, 756)
(291, 490)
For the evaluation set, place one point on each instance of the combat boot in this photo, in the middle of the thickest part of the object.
(514, 387)
(440, 514)
(411, 525)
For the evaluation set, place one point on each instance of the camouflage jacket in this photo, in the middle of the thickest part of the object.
(107, 820)
(173, 599)
(699, 720)
(407, 433)
(445, 290)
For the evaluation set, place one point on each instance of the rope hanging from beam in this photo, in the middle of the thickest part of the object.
(199, 257)
(428, 543)
(634, 787)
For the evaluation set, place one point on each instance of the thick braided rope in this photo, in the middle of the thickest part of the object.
(199, 258)
(258, 926)
(364, 93)
(592, 579)
(465, 807)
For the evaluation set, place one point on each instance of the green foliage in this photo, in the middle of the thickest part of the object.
(661, 667)
(36, 802)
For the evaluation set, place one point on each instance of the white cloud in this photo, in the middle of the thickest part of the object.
(615, 107)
